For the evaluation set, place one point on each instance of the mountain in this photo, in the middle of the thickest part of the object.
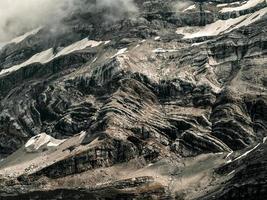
(164, 101)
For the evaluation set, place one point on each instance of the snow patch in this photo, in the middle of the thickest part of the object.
(198, 43)
(231, 173)
(24, 36)
(106, 42)
(157, 38)
(41, 57)
(82, 135)
(82, 44)
(48, 55)
(229, 154)
(244, 154)
(192, 7)
(41, 142)
(221, 26)
(222, 5)
(247, 5)
(160, 50)
(121, 51)
(95, 59)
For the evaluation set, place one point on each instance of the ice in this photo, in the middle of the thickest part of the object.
(247, 5)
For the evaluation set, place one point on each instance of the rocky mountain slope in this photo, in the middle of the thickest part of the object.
(165, 102)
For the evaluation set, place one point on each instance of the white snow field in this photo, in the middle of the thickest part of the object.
(24, 36)
(48, 55)
(41, 141)
(42, 57)
(192, 7)
(245, 6)
(120, 52)
(82, 44)
(221, 26)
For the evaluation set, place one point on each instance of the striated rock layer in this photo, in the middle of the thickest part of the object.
(169, 102)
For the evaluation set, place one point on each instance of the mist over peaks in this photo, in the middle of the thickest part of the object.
(20, 16)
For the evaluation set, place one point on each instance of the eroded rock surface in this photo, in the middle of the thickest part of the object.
(166, 103)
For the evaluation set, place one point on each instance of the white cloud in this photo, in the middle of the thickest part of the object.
(22, 15)
(18, 16)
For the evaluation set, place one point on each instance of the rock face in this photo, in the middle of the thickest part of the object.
(169, 102)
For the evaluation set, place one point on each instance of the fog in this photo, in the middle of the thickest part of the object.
(19, 16)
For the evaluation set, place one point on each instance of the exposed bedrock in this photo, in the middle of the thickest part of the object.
(247, 176)
(168, 102)
(234, 122)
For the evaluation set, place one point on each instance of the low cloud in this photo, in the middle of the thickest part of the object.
(18, 16)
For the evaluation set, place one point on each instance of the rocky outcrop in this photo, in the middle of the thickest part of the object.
(248, 177)
(167, 104)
